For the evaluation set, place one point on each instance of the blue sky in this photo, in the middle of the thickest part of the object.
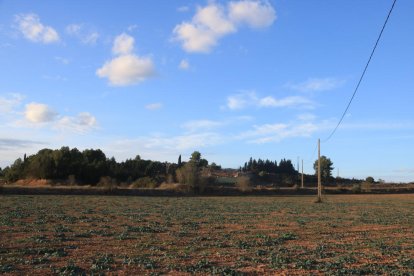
(231, 79)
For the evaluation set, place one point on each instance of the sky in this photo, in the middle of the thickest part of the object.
(231, 79)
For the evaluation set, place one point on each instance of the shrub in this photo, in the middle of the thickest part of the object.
(189, 174)
(145, 182)
(243, 183)
(107, 183)
(356, 188)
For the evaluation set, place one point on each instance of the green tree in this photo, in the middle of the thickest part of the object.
(15, 171)
(179, 161)
(195, 157)
(369, 179)
(41, 165)
(326, 167)
(191, 173)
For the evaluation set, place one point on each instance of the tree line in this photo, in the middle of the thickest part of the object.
(267, 166)
(82, 167)
(92, 166)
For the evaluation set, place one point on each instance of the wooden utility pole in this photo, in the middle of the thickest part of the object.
(302, 175)
(319, 172)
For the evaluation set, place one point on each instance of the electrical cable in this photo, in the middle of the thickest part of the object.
(363, 74)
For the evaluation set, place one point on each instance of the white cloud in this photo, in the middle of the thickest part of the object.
(316, 84)
(39, 113)
(240, 101)
(270, 101)
(90, 38)
(32, 29)
(73, 29)
(9, 103)
(123, 44)
(207, 26)
(277, 132)
(253, 13)
(243, 100)
(184, 64)
(212, 22)
(81, 123)
(154, 106)
(85, 34)
(127, 69)
(213, 18)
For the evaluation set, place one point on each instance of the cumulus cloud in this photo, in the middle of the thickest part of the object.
(253, 13)
(207, 26)
(39, 113)
(214, 21)
(243, 100)
(123, 44)
(84, 33)
(127, 68)
(33, 30)
(184, 64)
(154, 106)
(316, 84)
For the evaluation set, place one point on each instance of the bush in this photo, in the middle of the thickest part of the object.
(189, 174)
(243, 183)
(144, 182)
(107, 183)
(356, 188)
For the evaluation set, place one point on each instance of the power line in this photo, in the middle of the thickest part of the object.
(363, 73)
